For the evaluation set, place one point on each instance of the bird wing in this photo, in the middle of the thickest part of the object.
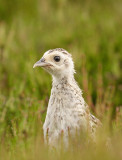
(94, 123)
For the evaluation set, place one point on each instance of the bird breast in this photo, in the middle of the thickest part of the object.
(66, 112)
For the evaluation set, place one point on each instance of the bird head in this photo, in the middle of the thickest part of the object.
(58, 62)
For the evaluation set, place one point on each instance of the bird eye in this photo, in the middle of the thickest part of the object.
(57, 58)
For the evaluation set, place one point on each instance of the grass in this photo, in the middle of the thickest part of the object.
(91, 31)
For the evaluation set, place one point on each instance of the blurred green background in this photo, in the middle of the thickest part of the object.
(91, 30)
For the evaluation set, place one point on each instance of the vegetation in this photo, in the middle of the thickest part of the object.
(91, 31)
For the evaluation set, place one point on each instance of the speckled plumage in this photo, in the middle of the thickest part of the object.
(67, 110)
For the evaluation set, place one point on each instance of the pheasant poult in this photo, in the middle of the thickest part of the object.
(67, 111)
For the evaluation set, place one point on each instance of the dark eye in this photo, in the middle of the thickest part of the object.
(57, 58)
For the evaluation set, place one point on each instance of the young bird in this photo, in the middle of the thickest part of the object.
(67, 111)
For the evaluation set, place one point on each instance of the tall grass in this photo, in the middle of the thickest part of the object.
(91, 31)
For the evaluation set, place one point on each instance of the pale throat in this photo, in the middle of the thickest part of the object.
(63, 79)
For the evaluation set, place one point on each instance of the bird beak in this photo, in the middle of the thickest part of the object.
(40, 63)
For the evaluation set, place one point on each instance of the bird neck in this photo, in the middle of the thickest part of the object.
(63, 80)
